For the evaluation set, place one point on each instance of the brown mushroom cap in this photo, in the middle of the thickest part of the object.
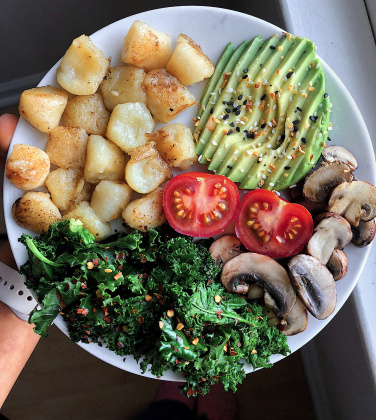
(249, 268)
(319, 183)
(225, 248)
(314, 284)
(364, 233)
(339, 154)
(338, 264)
(354, 201)
(332, 232)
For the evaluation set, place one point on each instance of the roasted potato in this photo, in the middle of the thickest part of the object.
(87, 112)
(146, 47)
(42, 107)
(146, 212)
(64, 186)
(90, 220)
(166, 96)
(146, 170)
(188, 62)
(104, 160)
(110, 199)
(27, 167)
(82, 68)
(128, 125)
(66, 147)
(175, 144)
(35, 211)
(123, 84)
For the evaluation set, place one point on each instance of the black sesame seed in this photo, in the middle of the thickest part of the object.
(304, 140)
(263, 97)
(313, 118)
(283, 137)
(246, 131)
(296, 128)
(287, 168)
(263, 125)
(229, 132)
(329, 139)
(211, 110)
(272, 47)
(171, 109)
(289, 74)
(225, 117)
(224, 102)
(326, 95)
(245, 102)
(237, 112)
(229, 166)
(299, 109)
(295, 122)
(232, 124)
(276, 92)
(238, 129)
(251, 135)
(245, 70)
(228, 110)
(240, 97)
(245, 76)
(230, 103)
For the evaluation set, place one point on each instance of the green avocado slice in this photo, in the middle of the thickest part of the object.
(278, 116)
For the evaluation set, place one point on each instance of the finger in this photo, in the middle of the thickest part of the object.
(8, 124)
(6, 256)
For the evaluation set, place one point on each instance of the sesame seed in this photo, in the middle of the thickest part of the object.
(289, 74)
(272, 47)
(245, 76)
(271, 184)
(240, 97)
(274, 107)
(326, 95)
(299, 109)
(229, 166)
(263, 97)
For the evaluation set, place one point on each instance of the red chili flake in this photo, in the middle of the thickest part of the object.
(95, 262)
(107, 319)
(233, 353)
(85, 336)
(145, 276)
(120, 256)
(177, 362)
(236, 321)
(208, 282)
(87, 332)
(140, 276)
(119, 345)
(120, 267)
(94, 310)
(117, 276)
(219, 314)
(83, 286)
(106, 258)
(191, 392)
(239, 345)
(124, 359)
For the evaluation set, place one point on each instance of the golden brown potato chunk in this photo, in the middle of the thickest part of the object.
(42, 107)
(35, 211)
(166, 96)
(146, 212)
(82, 68)
(104, 160)
(123, 84)
(90, 220)
(146, 47)
(175, 144)
(188, 62)
(87, 112)
(66, 147)
(64, 185)
(128, 125)
(146, 170)
(27, 167)
(110, 199)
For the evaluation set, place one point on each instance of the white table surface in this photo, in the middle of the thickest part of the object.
(342, 360)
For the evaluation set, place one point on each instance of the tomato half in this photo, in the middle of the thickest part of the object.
(269, 225)
(199, 204)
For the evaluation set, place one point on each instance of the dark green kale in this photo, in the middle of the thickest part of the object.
(156, 296)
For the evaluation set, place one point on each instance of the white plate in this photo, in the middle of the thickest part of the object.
(213, 28)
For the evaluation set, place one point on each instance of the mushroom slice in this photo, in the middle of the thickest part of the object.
(255, 291)
(314, 284)
(296, 320)
(332, 232)
(250, 268)
(318, 184)
(339, 154)
(225, 248)
(338, 264)
(354, 201)
(364, 233)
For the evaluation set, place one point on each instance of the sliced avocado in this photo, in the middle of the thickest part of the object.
(276, 118)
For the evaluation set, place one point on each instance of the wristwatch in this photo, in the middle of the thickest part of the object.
(14, 293)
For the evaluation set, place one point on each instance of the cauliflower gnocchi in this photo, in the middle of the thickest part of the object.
(188, 62)
(87, 112)
(42, 107)
(66, 147)
(146, 170)
(128, 125)
(123, 84)
(147, 212)
(146, 47)
(166, 96)
(27, 167)
(82, 68)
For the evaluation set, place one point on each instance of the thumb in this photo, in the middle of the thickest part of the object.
(8, 124)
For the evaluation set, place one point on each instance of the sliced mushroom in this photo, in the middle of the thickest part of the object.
(338, 264)
(314, 284)
(339, 154)
(225, 248)
(250, 268)
(319, 184)
(354, 201)
(364, 233)
(332, 232)
(255, 291)
(296, 320)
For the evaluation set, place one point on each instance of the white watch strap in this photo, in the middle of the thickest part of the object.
(14, 293)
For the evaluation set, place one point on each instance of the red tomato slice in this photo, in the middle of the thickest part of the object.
(269, 225)
(199, 204)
